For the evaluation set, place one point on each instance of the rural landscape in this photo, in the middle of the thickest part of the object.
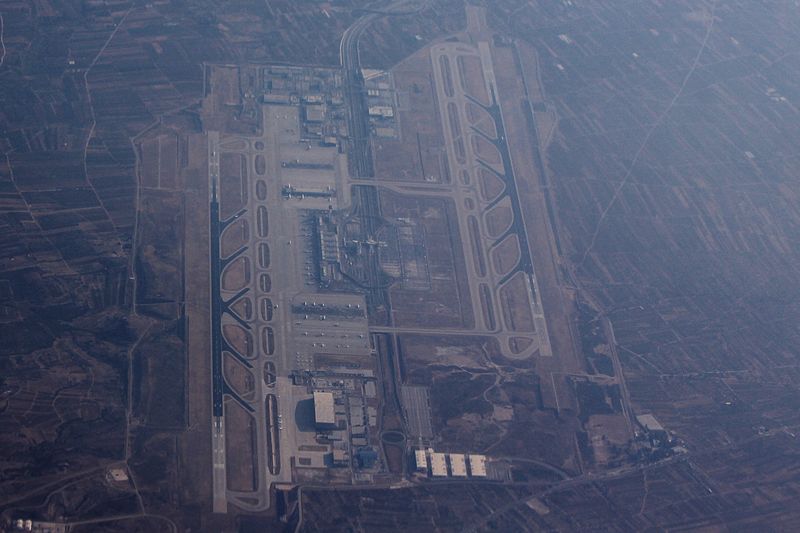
(412, 265)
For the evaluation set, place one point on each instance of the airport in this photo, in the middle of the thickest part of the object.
(306, 253)
(294, 368)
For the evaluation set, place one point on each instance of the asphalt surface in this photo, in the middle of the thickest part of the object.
(220, 306)
(355, 94)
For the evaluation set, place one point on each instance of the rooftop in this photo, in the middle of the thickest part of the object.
(420, 459)
(458, 465)
(477, 465)
(323, 408)
(649, 422)
(438, 464)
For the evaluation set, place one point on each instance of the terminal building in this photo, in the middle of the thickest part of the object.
(324, 416)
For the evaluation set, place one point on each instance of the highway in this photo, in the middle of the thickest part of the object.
(360, 159)
(360, 154)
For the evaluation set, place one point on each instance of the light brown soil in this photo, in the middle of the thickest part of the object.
(240, 339)
(232, 183)
(471, 77)
(237, 274)
(234, 237)
(168, 161)
(148, 163)
(239, 447)
(237, 376)
(485, 150)
(491, 185)
(499, 219)
(416, 155)
(516, 305)
(505, 255)
(558, 308)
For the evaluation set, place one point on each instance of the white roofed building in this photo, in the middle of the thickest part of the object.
(323, 409)
(477, 465)
(421, 460)
(458, 465)
(438, 463)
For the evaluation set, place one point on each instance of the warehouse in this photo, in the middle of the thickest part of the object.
(323, 410)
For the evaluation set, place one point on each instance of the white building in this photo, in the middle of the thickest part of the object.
(421, 460)
(477, 465)
(438, 463)
(323, 409)
(458, 465)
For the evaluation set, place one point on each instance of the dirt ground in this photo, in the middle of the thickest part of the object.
(418, 154)
(446, 350)
(233, 183)
(499, 219)
(516, 305)
(237, 376)
(234, 237)
(558, 307)
(485, 150)
(239, 339)
(196, 440)
(237, 274)
(243, 307)
(260, 165)
(447, 303)
(491, 185)
(606, 432)
(240, 452)
(470, 75)
(505, 255)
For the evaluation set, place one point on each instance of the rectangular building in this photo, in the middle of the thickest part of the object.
(421, 460)
(458, 465)
(650, 423)
(323, 409)
(339, 456)
(383, 111)
(315, 113)
(438, 464)
(477, 465)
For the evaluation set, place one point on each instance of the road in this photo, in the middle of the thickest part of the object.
(358, 118)
(570, 483)
(608, 329)
(361, 164)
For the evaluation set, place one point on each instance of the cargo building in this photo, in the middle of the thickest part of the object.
(458, 465)
(477, 465)
(420, 460)
(324, 416)
(438, 464)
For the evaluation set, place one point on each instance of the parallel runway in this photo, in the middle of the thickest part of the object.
(452, 99)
